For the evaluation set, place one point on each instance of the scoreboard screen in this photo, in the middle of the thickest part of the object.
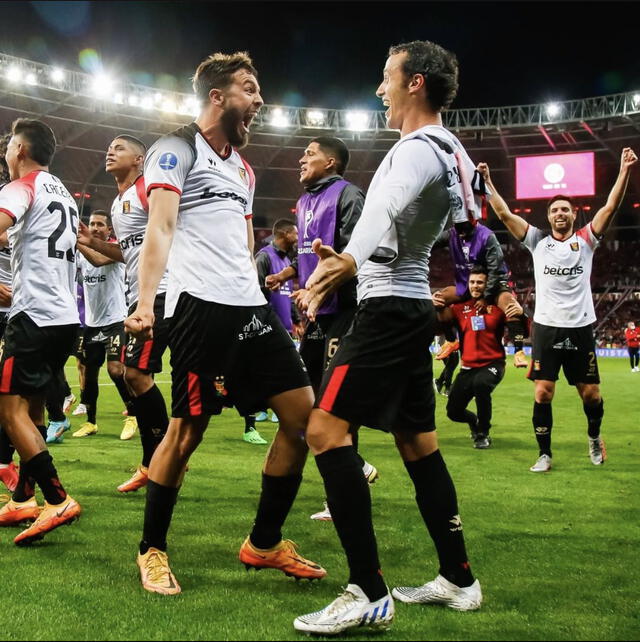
(544, 176)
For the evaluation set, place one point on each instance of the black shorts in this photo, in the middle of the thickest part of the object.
(147, 355)
(78, 346)
(109, 341)
(472, 381)
(31, 356)
(381, 375)
(223, 355)
(4, 317)
(321, 341)
(573, 349)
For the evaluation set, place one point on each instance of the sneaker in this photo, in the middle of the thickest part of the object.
(56, 430)
(274, 418)
(370, 472)
(597, 451)
(52, 516)
(81, 409)
(349, 610)
(262, 416)
(254, 437)
(9, 476)
(481, 440)
(283, 556)
(441, 591)
(155, 573)
(542, 465)
(323, 515)
(520, 359)
(129, 428)
(86, 429)
(447, 348)
(137, 481)
(15, 512)
(69, 400)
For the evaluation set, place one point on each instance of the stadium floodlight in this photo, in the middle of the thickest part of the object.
(101, 85)
(14, 74)
(357, 120)
(316, 118)
(147, 102)
(636, 100)
(279, 118)
(553, 110)
(133, 100)
(31, 79)
(57, 75)
(169, 106)
(157, 98)
(118, 98)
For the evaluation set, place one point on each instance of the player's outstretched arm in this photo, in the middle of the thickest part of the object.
(604, 216)
(514, 223)
(106, 249)
(163, 215)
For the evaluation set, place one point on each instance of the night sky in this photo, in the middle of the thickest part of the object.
(330, 55)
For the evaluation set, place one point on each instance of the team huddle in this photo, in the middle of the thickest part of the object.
(364, 310)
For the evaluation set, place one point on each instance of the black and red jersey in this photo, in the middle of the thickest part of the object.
(480, 333)
(632, 337)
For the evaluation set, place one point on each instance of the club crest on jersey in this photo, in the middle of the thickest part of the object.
(574, 246)
(126, 207)
(536, 365)
(168, 160)
(218, 383)
(243, 174)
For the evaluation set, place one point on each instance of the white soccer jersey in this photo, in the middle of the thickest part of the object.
(43, 243)
(5, 270)
(209, 258)
(104, 299)
(563, 274)
(130, 214)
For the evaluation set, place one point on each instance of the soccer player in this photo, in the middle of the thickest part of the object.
(481, 325)
(564, 313)
(41, 219)
(105, 310)
(227, 343)
(329, 209)
(381, 375)
(142, 359)
(632, 338)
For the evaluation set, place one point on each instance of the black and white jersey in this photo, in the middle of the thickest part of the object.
(130, 215)
(210, 257)
(43, 244)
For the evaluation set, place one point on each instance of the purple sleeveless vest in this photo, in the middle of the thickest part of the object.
(280, 300)
(467, 253)
(316, 215)
(80, 301)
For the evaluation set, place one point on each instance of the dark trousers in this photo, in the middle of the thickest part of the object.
(478, 383)
(634, 356)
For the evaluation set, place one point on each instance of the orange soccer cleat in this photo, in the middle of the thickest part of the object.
(9, 476)
(520, 359)
(137, 481)
(52, 516)
(155, 574)
(284, 557)
(447, 348)
(13, 513)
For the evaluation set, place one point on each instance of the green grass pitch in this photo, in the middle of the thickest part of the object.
(556, 553)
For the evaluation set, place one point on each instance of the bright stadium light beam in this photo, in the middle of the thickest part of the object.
(316, 118)
(636, 100)
(57, 75)
(101, 85)
(118, 98)
(169, 106)
(14, 74)
(279, 118)
(147, 102)
(31, 79)
(553, 110)
(133, 100)
(357, 120)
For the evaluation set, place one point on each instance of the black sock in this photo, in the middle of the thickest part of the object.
(438, 504)
(83, 397)
(349, 501)
(249, 423)
(124, 393)
(41, 468)
(6, 449)
(542, 424)
(158, 511)
(55, 394)
(26, 486)
(153, 421)
(450, 334)
(516, 332)
(594, 418)
(355, 440)
(276, 500)
(90, 392)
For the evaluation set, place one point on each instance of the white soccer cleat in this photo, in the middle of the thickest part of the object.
(81, 409)
(542, 465)
(351, 609)
(324, 515)
(69, 400)
(441, 591)
(370, 472)
(597, 451)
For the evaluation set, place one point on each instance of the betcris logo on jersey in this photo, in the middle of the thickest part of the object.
(101, 278)
(168, 160)
(563, 271)
(132, 241)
